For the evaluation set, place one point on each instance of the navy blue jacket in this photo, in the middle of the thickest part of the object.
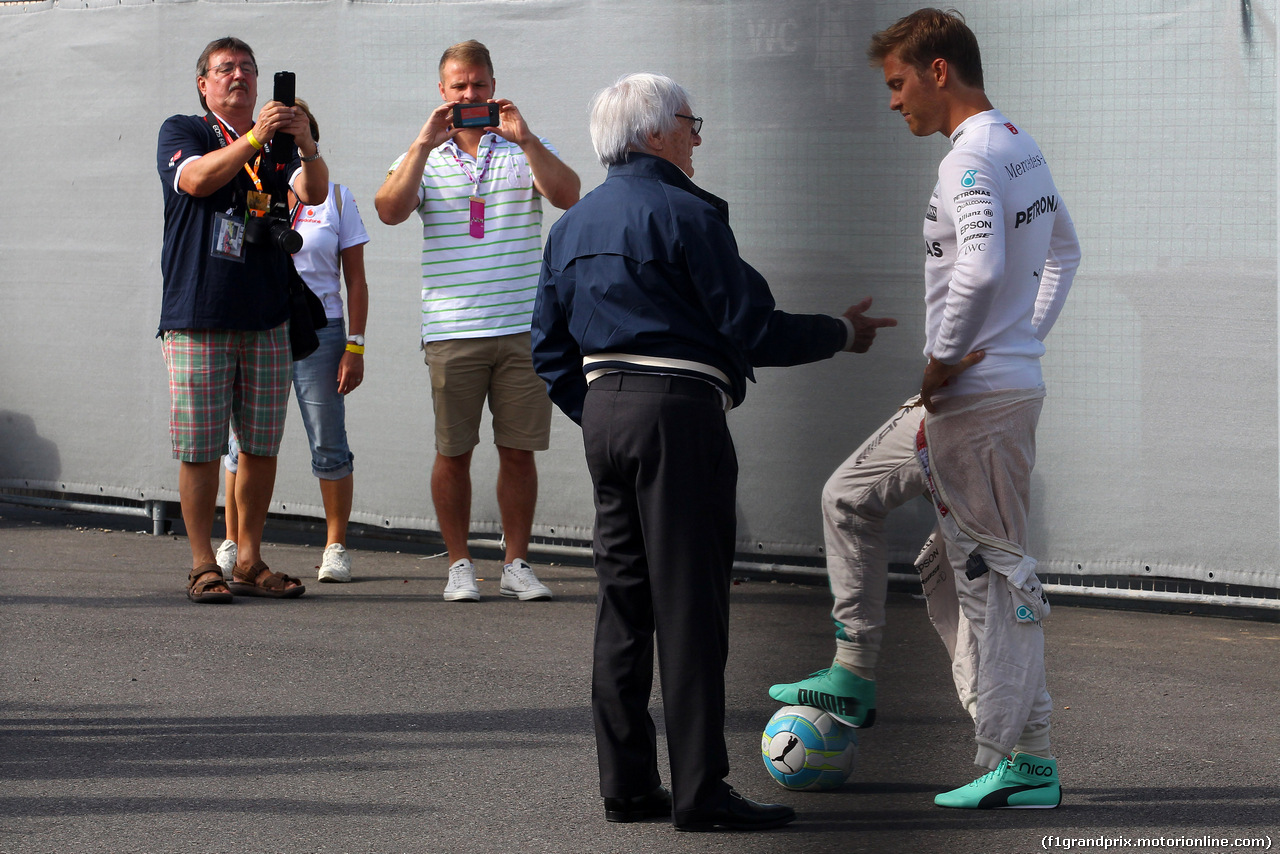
(646, 264)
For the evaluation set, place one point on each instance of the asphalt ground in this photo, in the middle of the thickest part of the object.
(375, 717)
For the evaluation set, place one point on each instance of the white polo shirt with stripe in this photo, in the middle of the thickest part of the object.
(478, 287)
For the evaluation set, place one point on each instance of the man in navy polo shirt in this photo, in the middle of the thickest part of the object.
(224, 313)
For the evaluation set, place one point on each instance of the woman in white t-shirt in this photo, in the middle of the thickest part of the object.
(333, 250)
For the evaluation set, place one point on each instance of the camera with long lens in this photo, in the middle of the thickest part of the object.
(273, 229)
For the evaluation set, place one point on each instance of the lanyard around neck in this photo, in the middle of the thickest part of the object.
(472, 177)
(222, 132)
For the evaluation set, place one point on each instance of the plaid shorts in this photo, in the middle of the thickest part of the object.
(222, 377)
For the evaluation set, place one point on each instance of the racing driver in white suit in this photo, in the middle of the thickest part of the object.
(1000, 256)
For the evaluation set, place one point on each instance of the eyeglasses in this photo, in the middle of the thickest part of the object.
(248, 69)
(697, 121)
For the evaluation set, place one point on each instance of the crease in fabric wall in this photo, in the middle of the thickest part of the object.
(1158, 444)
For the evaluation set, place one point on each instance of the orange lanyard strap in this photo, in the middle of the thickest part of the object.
(222, 132)
(253, 171)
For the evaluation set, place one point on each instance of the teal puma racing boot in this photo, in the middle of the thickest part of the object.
(1021, 782)
(848, 698)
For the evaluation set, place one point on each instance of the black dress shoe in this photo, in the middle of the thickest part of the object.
(656, 804)
(737, 813)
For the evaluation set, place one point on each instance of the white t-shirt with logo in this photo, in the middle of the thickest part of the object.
(325, 233)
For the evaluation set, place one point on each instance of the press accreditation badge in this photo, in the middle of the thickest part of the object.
(259, 202)
(477, 217)
(228, 237)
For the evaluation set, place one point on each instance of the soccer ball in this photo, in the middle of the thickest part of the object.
(806, 749)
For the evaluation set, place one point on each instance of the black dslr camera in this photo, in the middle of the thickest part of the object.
(273, 229)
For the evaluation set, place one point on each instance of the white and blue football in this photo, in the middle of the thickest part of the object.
(806, 749)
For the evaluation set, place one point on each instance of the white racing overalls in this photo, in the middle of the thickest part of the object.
(997, 663)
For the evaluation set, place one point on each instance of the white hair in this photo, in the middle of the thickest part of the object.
(624, 114)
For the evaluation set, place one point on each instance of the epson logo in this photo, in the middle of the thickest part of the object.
(970, 226)
(1044, 204)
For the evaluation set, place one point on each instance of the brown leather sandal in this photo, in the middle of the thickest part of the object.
(206, 586)
(259, 580)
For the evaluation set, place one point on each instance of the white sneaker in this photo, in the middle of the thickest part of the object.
(462, 583)
(336, 564)
(519, 581)
(226, 558)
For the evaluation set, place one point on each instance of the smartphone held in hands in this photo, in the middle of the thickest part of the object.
(476, 115)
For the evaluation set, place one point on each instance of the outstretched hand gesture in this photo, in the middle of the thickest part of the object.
(864, 328)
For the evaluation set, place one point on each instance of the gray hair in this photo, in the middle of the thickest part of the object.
(226, 43)
(624, 114)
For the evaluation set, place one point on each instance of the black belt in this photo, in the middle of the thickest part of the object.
(657, 383)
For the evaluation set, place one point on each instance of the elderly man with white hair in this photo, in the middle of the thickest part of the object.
(646, 328)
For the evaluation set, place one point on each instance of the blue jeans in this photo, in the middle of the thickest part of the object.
(324, 411)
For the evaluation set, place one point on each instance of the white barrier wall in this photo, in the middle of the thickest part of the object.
(1158, 444)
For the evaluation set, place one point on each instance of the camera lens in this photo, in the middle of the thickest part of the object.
(286, 238)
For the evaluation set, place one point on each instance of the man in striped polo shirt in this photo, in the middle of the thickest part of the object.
(479, 193)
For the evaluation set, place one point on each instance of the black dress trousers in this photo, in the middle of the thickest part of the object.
(665, 474)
